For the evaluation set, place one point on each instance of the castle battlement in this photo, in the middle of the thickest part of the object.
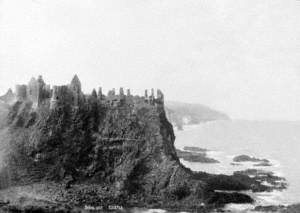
(39, 92)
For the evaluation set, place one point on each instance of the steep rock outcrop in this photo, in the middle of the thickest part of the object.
(119, 150)
(127, 147)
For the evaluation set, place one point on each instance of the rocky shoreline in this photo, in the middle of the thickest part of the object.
(73, 197)
(69, 197)
(295, 208)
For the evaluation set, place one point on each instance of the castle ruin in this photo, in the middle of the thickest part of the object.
(39, 93)
(36, 91)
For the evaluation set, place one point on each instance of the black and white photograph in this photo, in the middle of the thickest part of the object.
(149, 106)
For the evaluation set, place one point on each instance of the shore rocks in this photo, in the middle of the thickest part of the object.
(221, 198)
(268, 180)
(269, 208)
(194, 149)
(263, 164)
(245, 158)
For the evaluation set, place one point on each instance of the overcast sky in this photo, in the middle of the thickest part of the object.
(238, 56)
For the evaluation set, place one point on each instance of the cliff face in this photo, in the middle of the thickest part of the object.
(127, 146)
(95, 143)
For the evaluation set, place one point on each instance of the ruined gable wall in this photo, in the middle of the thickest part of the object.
(21, 92)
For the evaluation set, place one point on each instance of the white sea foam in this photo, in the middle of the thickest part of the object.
(269, 198)
(239, 207)
(139, 210)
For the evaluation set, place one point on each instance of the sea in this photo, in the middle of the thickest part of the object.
(277, 141)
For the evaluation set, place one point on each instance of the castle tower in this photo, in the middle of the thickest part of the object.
(21, 92)
(40, 80)
(42, 90)
(33, 91)
(128, 92)
(94, 94)
(152, 92)
(160, 97)
(146, 96)
(151, 98)
(47, 91)
(100, 94)
(75, 84)
(111, 95)
(92, 100)
(121, 91)
(75, 88)
(54, 97)
(37, 91)
(121, 96)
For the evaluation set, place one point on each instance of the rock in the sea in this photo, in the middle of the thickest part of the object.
(235, 164)
(263, 164)
(295, 208)
(194, 149)
(245, 158)
(198, 157)
(269, 208)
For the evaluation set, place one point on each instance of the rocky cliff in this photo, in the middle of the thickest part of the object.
(104, 150)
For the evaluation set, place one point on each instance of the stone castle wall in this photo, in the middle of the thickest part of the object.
(21, 92)
(60, 96)
(37, 92)
(33, 91)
